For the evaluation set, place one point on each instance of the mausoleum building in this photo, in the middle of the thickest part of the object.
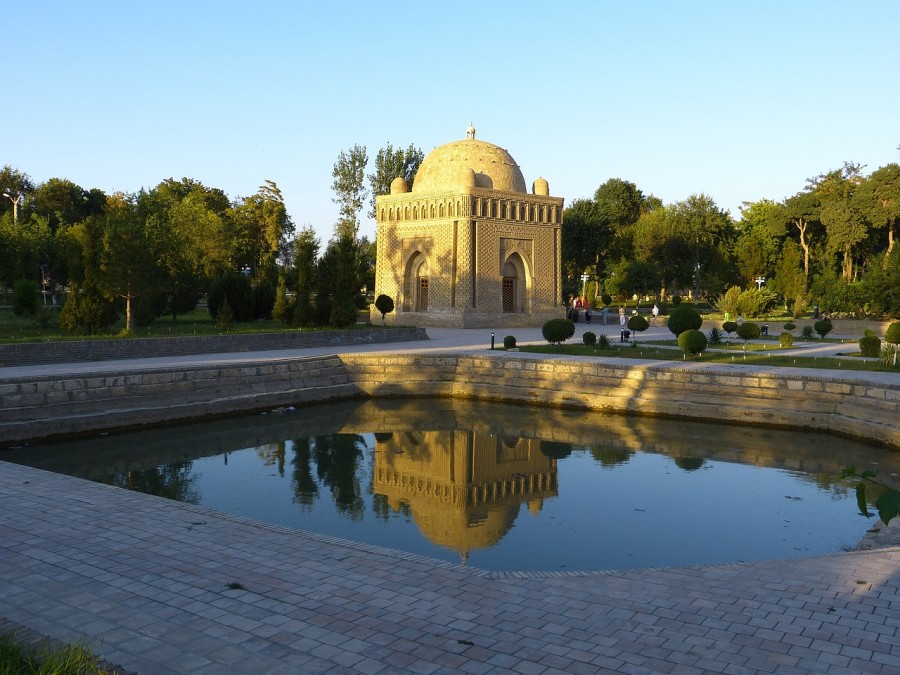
(468, 245)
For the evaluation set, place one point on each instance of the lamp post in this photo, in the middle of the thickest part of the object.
(759, 282)
(245, 270)
(584, 280)
(15, 203)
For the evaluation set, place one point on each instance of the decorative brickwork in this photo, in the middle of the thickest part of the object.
(468, 246)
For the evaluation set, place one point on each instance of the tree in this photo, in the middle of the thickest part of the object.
(346, 283)
(127, 271)
(385, 305)
(306, 252)
(801, 212)
(349, 190)
(261, 229)
(756, 248)
(879, 197)
(391, 163)
(845, 224)
(584, 234)
(790, 281)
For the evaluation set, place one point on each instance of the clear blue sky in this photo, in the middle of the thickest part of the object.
(738, 100)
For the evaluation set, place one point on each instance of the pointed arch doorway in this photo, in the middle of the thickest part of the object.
(514, 285)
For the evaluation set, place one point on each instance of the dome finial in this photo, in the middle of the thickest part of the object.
(470, 132)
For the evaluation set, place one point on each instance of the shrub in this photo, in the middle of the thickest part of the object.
(663, 307)
(638, 323)
(385, 305)
(823, 327)
(262, 297)
(786, 339)
(748, 331)
(682, 319)
(806, 332)
(868, 332)
(589, 338)
(730, 302)
(892, 334)
(889, 354)
(509, 342)
(606, 298)
(789, 326)
(692, 342)
(714, 336)
(729, 327)
(870, 345)
(26, 297)
(757, 301)
(676, 300)
(557, 331)
(603, 342)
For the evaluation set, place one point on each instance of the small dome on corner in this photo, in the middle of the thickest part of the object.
(399, 186)
(541, 187)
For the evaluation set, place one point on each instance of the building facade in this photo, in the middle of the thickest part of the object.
(468, 245)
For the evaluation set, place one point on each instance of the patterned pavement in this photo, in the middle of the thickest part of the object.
(162, 587)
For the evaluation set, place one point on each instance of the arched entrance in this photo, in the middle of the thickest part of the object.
(514, 285)
(416, 283)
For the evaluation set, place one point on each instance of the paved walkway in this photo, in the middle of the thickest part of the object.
(163, 587)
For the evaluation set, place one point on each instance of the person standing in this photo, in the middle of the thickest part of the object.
(622, 317)
(655, 313)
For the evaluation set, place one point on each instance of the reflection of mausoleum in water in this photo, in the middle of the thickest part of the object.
(464, 489)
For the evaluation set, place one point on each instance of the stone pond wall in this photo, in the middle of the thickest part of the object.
(32, 408)
(68, 351)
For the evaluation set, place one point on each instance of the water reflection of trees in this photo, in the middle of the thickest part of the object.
(336, 458)
(173, 481)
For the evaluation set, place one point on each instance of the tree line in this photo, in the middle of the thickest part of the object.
(830, 245)
(155, 253)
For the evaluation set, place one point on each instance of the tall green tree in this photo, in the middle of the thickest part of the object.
(879, 197)
(127, 270)
(800, 214)
(757, 247)
(261, 229)
(845, 223)
(306, 253)
(391, 163)
(349, 188)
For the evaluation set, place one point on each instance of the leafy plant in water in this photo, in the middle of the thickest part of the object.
(887, 503)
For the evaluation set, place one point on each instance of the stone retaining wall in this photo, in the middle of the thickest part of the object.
(37, 407)
(69, 351)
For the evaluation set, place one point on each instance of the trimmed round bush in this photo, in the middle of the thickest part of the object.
(384, 304)
(729, 326)
(684, 318)
(748, 331)
(676, 300)
(557, 331)
(692, 342)
(789, 326)
(786, 339)
(638, 323)
(606, 299)
(870, 345)
(892, 334)
(589, 338)
(823, 327)
(509, 342)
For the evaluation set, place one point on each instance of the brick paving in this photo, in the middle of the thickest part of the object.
(164, 587)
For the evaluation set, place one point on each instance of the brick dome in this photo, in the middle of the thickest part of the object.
(450, 166)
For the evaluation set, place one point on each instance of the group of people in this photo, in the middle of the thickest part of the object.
(578, 304)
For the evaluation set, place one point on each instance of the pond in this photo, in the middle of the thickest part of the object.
(502, 487)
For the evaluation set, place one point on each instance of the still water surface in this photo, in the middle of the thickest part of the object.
(502, 487)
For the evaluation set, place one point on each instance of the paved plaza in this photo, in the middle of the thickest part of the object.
(162, 587)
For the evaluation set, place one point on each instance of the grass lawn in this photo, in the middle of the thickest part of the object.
(770, 358)
(17, 329)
